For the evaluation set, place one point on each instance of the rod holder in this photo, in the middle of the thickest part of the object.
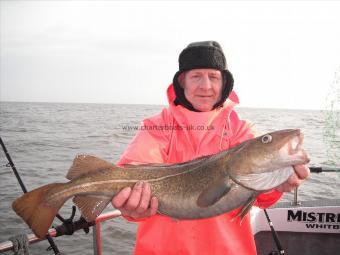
(296, 202)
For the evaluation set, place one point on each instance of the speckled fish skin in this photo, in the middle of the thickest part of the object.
(200, 188)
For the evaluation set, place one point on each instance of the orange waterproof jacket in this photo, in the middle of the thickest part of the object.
(178, 135)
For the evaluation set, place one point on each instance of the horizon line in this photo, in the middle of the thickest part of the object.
(148, 104)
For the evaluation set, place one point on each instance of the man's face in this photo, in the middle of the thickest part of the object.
(202, 88)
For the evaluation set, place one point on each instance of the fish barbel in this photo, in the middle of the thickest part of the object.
(200, 188)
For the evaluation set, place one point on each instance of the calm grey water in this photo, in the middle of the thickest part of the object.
(43, 139)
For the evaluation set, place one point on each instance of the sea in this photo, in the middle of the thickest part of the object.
(43, 139)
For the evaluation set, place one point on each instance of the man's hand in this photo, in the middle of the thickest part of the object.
(137, 202)
(295, 180)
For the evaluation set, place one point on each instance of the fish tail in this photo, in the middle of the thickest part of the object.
(36, 211)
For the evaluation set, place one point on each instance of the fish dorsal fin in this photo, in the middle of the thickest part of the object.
(214, 192)
(91, 206)
(84, 164)
(265, 180)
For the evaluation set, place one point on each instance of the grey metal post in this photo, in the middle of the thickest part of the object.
(295, 201)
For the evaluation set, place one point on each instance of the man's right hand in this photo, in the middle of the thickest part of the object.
(137, 202)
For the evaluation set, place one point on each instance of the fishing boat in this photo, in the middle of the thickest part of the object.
(294, 228)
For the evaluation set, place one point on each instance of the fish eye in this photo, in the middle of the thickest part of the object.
(266, 139)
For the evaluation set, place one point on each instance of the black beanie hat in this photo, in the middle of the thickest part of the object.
(207, 54)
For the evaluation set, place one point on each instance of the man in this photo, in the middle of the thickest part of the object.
(201, 96)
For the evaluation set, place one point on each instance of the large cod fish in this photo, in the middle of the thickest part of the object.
(200, 188)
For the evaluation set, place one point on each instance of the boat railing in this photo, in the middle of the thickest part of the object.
(97, 245)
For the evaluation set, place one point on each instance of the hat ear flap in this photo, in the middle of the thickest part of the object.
(228, 84)
(180, 97)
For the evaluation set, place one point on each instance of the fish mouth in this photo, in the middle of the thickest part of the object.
(294, 148)
(296, 143)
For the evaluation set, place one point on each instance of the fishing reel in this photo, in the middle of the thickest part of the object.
(68, 226)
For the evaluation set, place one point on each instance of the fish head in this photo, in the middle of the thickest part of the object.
(269, 152)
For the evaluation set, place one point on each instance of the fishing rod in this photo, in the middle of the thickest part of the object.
(11, 164)
(320, 169)
(275, 236)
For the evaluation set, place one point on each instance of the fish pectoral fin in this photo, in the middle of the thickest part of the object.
(91, 206)
(246, 208)
(214, 192)
(83, 164)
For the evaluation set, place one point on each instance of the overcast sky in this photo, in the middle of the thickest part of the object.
(282, 54)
